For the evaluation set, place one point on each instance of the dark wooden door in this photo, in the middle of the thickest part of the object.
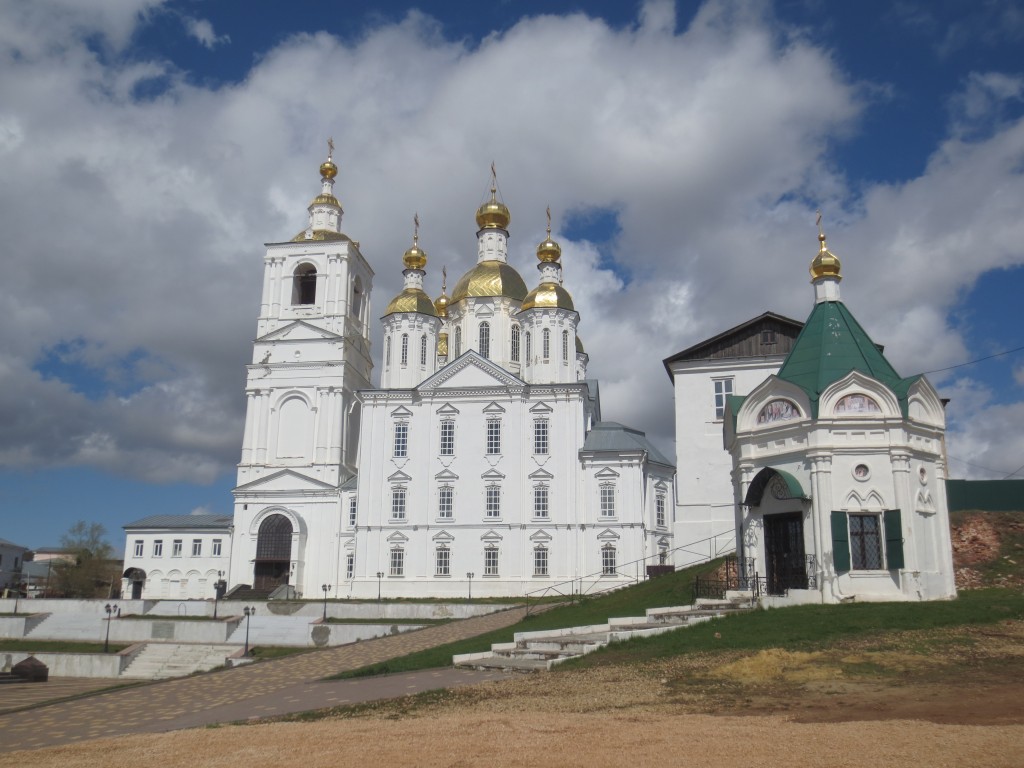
(784, 552)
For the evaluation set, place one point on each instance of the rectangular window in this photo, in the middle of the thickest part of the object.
(767, 337)
(216, 547)
(352, 512)
(176, 548)
(659, 511)
(723, 388)
(865, 543)
(397, 562)
(197, 547)
(493, 504)
(442, 561)
(607, 501)
(447, 437)
(493, 437)
(138, 548)
(540, 501)
(158, 548)
(401, 440)
(515, 343)
(608, 561)
(540, 436)
(350, 566)
(398, 503)
(445, 502)
(491, 561)
(540, 562)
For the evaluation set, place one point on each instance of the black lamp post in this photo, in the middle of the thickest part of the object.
(380, 575)
(325, 588)
(111, 610)
(470, 577)
(216, 591)
(249, 613)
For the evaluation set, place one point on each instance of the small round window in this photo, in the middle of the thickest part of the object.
(861, 472)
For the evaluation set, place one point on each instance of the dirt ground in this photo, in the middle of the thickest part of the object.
(950, 698)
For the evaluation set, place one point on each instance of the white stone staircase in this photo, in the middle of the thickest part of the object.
(158, 661)
(534, 651)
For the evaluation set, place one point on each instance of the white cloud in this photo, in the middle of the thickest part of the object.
(202, 31)
(138, 225)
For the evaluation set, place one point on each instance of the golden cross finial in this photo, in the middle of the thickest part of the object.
(494, 179)
(549, 222)
(330, 148)
(444, 279)
(416, 228)
(821, 232)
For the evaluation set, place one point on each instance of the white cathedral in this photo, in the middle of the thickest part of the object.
(481, 464)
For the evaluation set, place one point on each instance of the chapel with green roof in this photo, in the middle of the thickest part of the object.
(839, 468)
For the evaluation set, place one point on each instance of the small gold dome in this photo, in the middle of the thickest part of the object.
(441, 305)
(493, 214)
(826, 263)
(579, 346)
(325, 199)
(328, 170)
(415, 258)
(411, 300)
(490, 278)
(549, 251)
(548, 295)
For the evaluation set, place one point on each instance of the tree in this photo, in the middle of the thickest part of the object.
(86, 571)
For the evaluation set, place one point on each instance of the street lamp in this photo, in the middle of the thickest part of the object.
(249, 613)
(111, 610)
(470, 577)
(380, 575)
(216, 591)
(325, 587)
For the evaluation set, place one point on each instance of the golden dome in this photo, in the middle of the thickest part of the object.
(549, 250)
(321, 234)
(548, 295)
(826, 263)
(493, 214)
(441, 305)
(415, 258)
(579, 346)
(328, 170)
(490, 278)
(325, 198)
(411, 300)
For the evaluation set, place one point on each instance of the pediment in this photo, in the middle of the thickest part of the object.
(283, 481)
(492, 474)
(443, 537)
(541, 537)
(541, 408)
(491, 536)
(398, 538)
(607, 474)
(493, 407)
(299, 330)
(401, 412)
(471, 371)
(607, 535)
(540, 474)
(398, 477)
(447, 410)
(446, 475)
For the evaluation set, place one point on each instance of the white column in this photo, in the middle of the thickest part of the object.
(250, 405)
(263, 400)
(905, 503)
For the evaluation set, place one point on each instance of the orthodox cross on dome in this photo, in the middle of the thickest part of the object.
(494, 178)
(330, 147)
(820, 231)
(549, 221)
(444, 279)
(416, 228)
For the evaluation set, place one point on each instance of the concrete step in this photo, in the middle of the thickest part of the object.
(158, 661)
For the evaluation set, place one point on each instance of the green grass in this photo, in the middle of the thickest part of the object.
(673, 589)
(55, 646)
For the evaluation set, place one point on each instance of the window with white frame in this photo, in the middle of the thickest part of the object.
(458, 342)
(442, 561)
(608, 567)
(352, 511)
(659, 510)
(397, 562)
(448, 437)
(492, 504)
(405, 349)
(485, 339)
(663, 555)
(401, 439)
(723, 388)
(540, 501)
(197, 547)
(491, 561)
(866, 543)
(529, 348)
(493, 436)
(176, 548)
(216, 547)
(350, 566)
(398, 503)
(607, 507)
(387, 352)
(138, 547)
(546, 344)
(540, 436)
(515, 343)
(423, 349)
(540, 561)
(565, 346)
(446, 502)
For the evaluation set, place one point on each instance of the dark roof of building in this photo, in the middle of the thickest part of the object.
(720, 345)
(831, 345)
(6, 543)
(610, 436)
(182, 521)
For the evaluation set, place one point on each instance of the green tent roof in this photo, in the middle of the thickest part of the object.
(831, 345)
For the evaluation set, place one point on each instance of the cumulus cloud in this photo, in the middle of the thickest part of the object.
(137, 224)
(202, 31)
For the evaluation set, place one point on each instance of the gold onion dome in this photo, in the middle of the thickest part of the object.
(411, 300)
(579, 346)
(549, 250)
(441, 305)
(826, 263)
(328, 170)
(490, 278)
(493, 214)
(548, 295)
(415, 257)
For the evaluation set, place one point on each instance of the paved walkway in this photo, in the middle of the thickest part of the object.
(281, 686)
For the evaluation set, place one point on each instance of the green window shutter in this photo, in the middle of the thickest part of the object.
(840, 542)
(893, 539)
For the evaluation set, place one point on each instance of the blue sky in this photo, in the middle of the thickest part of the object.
(150, 148)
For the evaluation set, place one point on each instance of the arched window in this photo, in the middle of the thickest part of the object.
(529, 348)
(458, 342)
(565, 346)
(515, 343)
(304, 285)
(387, 352)
(546, 345)
(485, 339)
(357, 299)
(274, 540)
(405, 349)
(423, 349)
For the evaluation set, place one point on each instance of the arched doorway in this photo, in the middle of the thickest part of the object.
(273, 553)
(137, 577)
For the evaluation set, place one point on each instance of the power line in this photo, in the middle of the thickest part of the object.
(973, 362)
(987, 469)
